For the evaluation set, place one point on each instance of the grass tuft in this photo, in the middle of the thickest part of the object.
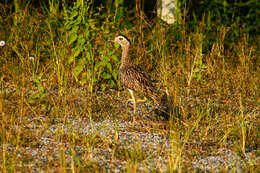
(62, 108)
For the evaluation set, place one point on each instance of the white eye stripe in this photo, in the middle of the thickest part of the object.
(121, 38)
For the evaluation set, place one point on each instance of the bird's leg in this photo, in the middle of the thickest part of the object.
(141, 100)
(132, 99)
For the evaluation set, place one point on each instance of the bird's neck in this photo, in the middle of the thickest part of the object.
(125, 57)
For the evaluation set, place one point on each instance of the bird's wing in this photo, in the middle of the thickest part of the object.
(136, 79)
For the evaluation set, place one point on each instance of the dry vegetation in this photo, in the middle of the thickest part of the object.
(54, 120)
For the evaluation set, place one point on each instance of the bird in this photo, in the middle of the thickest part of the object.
(132, 76)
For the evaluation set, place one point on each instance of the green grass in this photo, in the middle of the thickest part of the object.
(65, 111)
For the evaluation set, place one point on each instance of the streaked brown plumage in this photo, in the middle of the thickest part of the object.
(135, 79)
(131, 76)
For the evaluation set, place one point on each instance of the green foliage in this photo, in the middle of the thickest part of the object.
(108, 72)
(235, 14)
(83, 25)
(40, 95)
(208, 68)
(81, 29)
(119, 9)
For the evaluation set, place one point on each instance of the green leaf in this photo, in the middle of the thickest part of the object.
(73, 14)
(67, 25)
(31, 100)
(99, 64)
(88, 56)
(105, 59)
(117, 45)
(196, 70)
(84, 78)
(71, 59)
(77, 70)
(109, 66)
(199, 77)
(72, 38)
(86, 33)
(105, 75)
(114, 74)
(91, 20)
(74, 30)
(76, 52)
(38, 83)
(111, 83)
(82, 61)
(78, 20)
(203, 67)
(115, 58)
(43, 106)
(81, 39)
(106, 31)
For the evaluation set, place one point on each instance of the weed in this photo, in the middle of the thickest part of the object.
(62, 108)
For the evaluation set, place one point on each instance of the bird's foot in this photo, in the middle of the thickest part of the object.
(134, 104)
(142, 100)
(137, 101)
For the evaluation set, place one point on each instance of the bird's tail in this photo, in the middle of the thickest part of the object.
(164, 103)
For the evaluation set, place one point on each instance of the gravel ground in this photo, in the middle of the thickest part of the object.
(156, 147)
(48, 137)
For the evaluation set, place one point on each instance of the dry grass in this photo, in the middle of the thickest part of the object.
(52, 123)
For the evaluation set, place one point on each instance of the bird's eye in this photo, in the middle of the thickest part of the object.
(121, 38)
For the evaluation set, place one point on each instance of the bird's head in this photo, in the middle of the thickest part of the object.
(122, 40)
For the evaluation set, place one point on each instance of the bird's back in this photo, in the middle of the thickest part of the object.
(132, 77)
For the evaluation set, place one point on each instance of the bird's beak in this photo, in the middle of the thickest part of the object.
(110, 40)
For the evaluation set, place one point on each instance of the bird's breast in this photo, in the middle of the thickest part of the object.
(134, 78)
